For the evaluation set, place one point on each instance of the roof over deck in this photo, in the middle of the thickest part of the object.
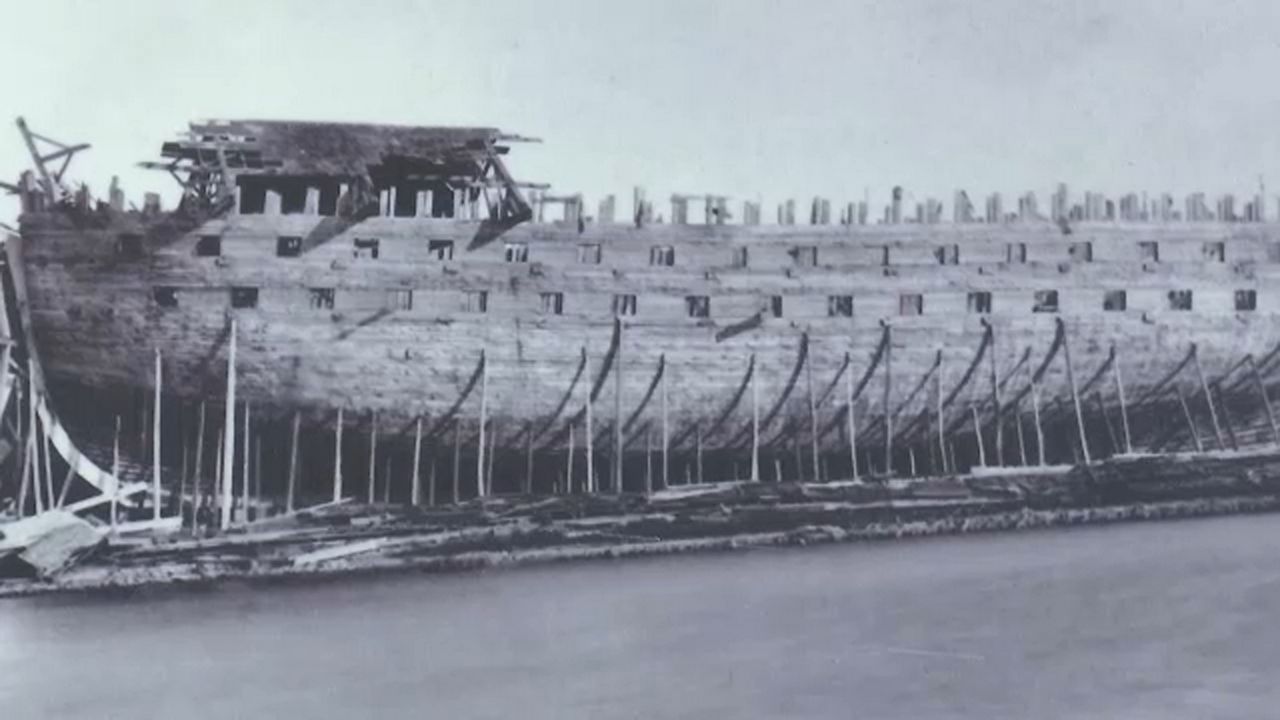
(321, 148)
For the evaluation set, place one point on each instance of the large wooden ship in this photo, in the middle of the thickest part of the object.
(403, 307)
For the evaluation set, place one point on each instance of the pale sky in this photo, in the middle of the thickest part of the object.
(756, 99)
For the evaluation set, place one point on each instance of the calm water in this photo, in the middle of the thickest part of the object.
(1137, 621)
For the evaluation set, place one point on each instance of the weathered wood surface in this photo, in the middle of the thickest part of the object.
(96, 320)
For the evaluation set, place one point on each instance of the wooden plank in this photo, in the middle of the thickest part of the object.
(337, 457)
(755, 422)
(229, 425)
(373, 455)
(247, 478)
(415, 491)
(293, 461)
(155, 443)
(484, 420)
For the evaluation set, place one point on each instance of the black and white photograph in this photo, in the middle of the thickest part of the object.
(648, 359)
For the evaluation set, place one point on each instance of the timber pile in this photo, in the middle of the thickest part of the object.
(347, 538)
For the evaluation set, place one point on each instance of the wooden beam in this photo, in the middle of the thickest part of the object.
(198, 475)
(1075, 394)
(1186, 414)
(1124, 408)
(617, 412)
(1022, 440)
(813, 412)
(851, 421)
(291, 491)
(481, 490)
(229, 425)
(1266, 399)
(1106, 421)
(155, 443)
(755, 422)
(337, 457)
(457, 460)
(1035, 415)
(415, 491)
(373, 455)
(995, 399)
(589, 436)
(941, 415)
(977, 434)
(1208, 398)
(568, 473)
(115, 473)
(699, 441)
(888, 389)
(248, 447)
(528, 458)
(666, 429)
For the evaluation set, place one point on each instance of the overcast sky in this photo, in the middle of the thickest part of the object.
(757, 99)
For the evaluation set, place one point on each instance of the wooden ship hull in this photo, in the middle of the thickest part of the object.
(419, 297)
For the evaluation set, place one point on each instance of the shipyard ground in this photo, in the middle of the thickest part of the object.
(350, 539)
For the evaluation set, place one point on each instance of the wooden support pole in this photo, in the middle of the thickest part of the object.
(1022, 440)
(155, 444)
(1075, 395)
(1191, 422)
(197, 478)
(219, 471)
(1106, 420)
(186, 459)
(911, 457)
(755, 422)
(939, 416)
(337, 457)
(24, 438)
(386, 481)
(648, 462)
(699, 441)
(257, 473)
(1035, 416)
(484, 420)
(777, 468)
(666, 429)
(1266, 399)
(888, 391)
(490, 458)
(1208, 398)
(568, 473)
(431, 477)
(1124, 408)
(373, 454)
(229, 426)
(589, 437)
(248, 447)
(457, 460)
(415, 491)
(813, 412)
(977, 434)
(291, 490)
(1226, 416)
(617, 412)
(48, 460)
(852, 423)
(115, 474)
(528, 459)
(995, 401)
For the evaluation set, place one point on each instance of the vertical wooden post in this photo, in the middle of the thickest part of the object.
(229, 426)
(617, 412)
(977, 433)
(484, 419)
(186, 461)
(1022, 440)
(851, 420)
(257, 472)
(48, 460)
(568, 473)
(666, 430)
(386, 481)
(995, 400)
(911, 457)
(1035, 415)
(648, 462)
(1226, 417)
(699, 439)
(155, 444)
(1075, 394)
(1106, 420)
(1208, 398)
(1124, 408)
(415, 492)
(491, 457)
(528, 458)
(1266, 399)
(24, 438)
(337, 457)
(888, 390)
(813, 413)
(248, 447)
(777, 468)
(197, 478)
(373, 454)
(115, 475)
(590, 431)
(755, 422)
(431, 477)
(219, 470)
(457, 460)
(942, 429)
(1191, 423)
(293, 461)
